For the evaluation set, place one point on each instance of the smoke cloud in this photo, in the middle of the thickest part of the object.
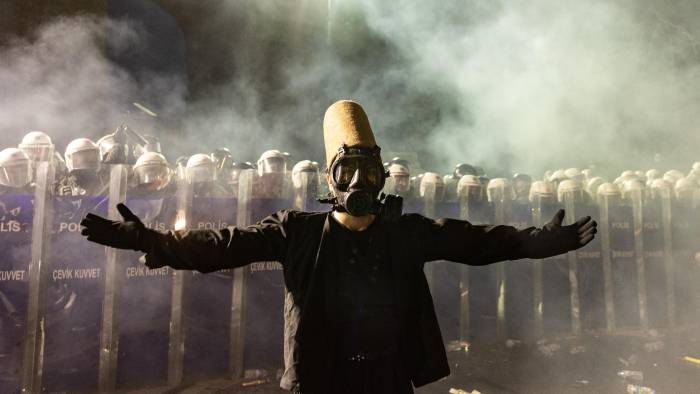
(509, 86)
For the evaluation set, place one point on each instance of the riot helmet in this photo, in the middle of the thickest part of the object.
(399, 177)
(15, 168)
(432, 181)
(609, 192)
(499, 190)
(37, 145)
(574, 173)
(542, 192)
(463, 169)
(199, 169)
(696, 166)
(272, 162)
(521, 186)
(628, 174)
(632, 187)
(572, 188)
(82, 155)
(653, 174)
(672, 176)
(223, 159)
(685, 189)
(306, 167)
(470, 188)
(659, 189)
(592, 186)
(151, 171)
(400, 161)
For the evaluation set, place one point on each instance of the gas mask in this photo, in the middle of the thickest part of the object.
(357, 177)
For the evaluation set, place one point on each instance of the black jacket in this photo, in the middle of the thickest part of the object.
(299, 241)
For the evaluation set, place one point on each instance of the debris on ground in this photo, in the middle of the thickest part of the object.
(634, 389)
(631, 375)
(457, 346)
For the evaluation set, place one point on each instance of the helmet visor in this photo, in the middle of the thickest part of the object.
(16, 175)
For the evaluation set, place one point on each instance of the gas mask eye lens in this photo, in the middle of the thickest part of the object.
(344, 171)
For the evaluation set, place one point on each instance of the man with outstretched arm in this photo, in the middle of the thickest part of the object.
(359, 316)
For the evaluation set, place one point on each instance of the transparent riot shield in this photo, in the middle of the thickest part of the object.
(446, 276)
(556, 288)
(16, 217)
(634, 195)
(500, 198)
(543, 208)
(482, 289)
(264, 294)
(654, 260)
(206, 301)
(238, 304)
(686, 257)
(472, 208)
(568, 198)
(35, 333)
(591, 276)
(112, 282)
(176, 338)
(519, 316)
(429, 196)
(624, 270)
(145, 302)
(586, 278)
(77, 272)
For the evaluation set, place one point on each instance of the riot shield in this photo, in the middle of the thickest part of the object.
(482, 288)
(446, 276)
(176, 338)
(429, 197)
(144, 310)
(206, 300)
(35, 333)
(238, 305)
(654, 261)
(264, 299)
(686, 257)
(74, 322)
(16, 216)
(634, 194)
(623, 267)
(590, 276)
(519, 295)
(543, 207)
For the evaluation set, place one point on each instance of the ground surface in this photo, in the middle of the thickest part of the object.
(589, 364)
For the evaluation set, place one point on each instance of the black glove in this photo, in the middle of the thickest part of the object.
(554, 239)
(129, 234)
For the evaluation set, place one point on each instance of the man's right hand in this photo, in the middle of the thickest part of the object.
(127, 234)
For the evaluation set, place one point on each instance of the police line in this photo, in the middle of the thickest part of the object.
(77, 316)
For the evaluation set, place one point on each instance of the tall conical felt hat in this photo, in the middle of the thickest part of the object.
(346, 123)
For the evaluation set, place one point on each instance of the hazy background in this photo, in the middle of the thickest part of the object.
(513, 86)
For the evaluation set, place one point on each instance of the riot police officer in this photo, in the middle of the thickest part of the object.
(38, 146)
(521, 187)
(399, 181)
(272, 175)
(15, 172)
(152, 173)
(83, 164)
(200, 173)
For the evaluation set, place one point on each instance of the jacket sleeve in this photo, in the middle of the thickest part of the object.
(212, 250)
(463, 242)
